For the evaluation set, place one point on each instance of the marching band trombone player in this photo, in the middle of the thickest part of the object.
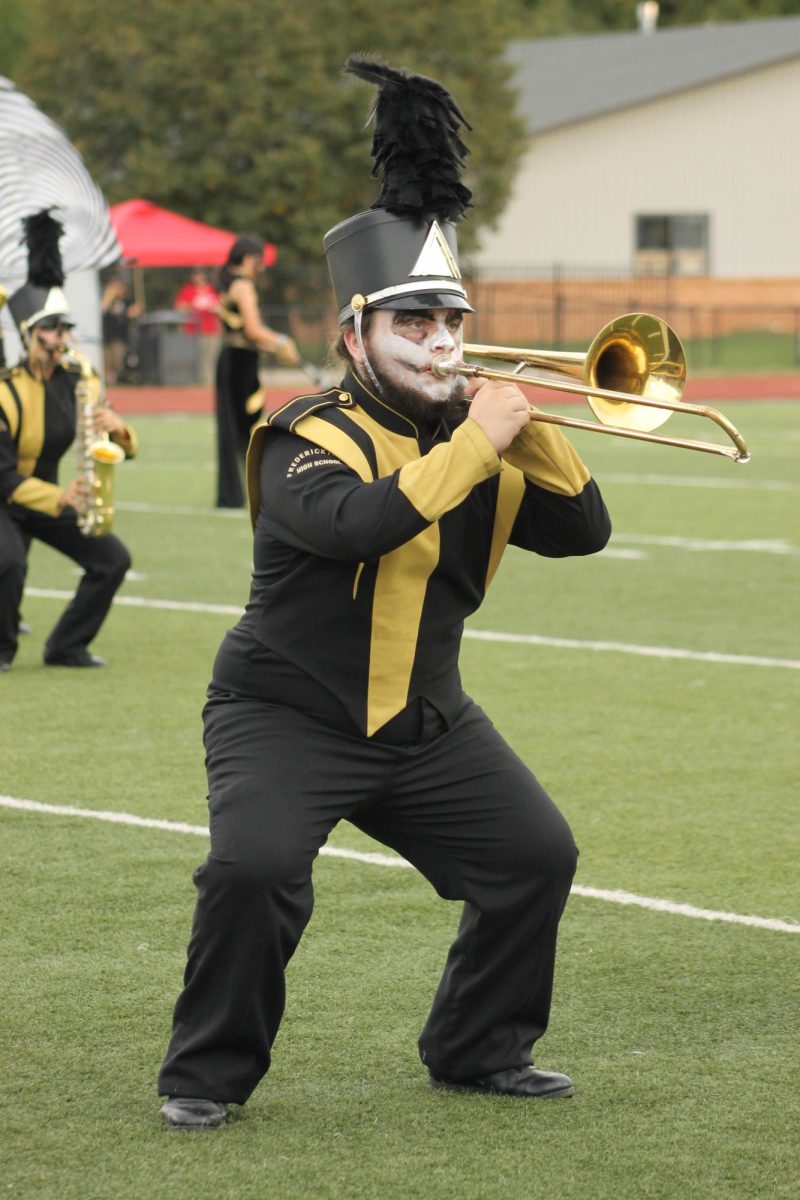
(381, 508)
(38, 421)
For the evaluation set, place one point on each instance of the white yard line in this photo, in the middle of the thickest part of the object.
(387, 860)
(708, 656)
(179, 510)
(698, 481)
(484, 635)
(747, 545)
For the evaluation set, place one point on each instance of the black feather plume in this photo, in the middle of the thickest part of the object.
(416, 145)
(42, 235)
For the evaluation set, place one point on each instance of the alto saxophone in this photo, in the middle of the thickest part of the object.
(97, 454)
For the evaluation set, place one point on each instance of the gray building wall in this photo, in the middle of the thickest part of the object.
(726, 149)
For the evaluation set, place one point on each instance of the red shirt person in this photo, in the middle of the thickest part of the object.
(199, 298)
(202, 300)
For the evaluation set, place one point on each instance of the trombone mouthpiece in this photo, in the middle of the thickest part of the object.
(444, 365)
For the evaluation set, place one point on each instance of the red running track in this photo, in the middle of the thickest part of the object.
(698, 391)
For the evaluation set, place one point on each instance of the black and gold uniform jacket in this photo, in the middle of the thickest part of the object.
(37, 428)
(373, 543)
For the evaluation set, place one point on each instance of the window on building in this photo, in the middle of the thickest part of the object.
(672, 244)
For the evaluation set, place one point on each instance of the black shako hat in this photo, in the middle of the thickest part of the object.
(42, 295)
(403, 252)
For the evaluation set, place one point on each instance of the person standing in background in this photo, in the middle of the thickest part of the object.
(201, 299)
(118, 310)
(245, 336)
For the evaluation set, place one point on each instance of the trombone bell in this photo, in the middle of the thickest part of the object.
(632, 376)
(638, 354)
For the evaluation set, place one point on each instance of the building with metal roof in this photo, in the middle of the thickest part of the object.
(668, 149)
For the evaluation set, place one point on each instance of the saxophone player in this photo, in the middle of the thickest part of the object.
(38, 417)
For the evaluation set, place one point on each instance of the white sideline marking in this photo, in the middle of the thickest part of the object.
(231, 610)
(699, 481)
(387, 860)
(620, 552)
(711, 656)
(752, 545)
(483, 635)
(179, 510)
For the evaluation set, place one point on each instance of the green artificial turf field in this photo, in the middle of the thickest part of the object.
(653, 689)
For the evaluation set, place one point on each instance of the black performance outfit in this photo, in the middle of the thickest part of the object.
(37, 427)
(236, 383)
(338, 696)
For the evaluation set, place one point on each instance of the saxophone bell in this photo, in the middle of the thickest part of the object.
(102, 456)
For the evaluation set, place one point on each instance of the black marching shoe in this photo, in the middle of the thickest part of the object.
(514, 1081)
(5, 664)
(185, 1112)
(78, 658)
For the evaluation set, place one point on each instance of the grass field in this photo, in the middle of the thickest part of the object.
(656, 699)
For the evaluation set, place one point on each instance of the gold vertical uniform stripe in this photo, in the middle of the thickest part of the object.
(402, 577)
(509, 498)
(31, 435)
(8, 410)
(32, 492)
(400, 587)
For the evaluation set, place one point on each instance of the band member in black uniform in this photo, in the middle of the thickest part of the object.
(37, 427)
(245, 337)
(381, 509)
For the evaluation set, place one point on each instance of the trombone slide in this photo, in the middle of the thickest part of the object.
(636, 349)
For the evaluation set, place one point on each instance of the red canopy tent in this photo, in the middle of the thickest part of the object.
(150, 236)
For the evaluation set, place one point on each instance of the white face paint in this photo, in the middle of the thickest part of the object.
(401, 345)
(49, 339)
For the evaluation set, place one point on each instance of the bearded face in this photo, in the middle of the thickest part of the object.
(401, 345)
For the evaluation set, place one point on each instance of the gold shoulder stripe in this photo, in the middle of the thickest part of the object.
(316, 430)
(339, 443)
(252, 468)
(298, 407)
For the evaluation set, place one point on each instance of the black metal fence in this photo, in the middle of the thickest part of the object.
(730, 325)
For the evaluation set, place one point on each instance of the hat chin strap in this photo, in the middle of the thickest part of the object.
(362, 349)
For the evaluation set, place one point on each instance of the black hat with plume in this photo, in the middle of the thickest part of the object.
(42, 295)
(403, 252)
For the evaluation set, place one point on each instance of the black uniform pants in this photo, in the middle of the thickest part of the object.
(236, 381)
(462, 807)
(104, 560)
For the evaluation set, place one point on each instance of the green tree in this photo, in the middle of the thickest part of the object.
(700, 12)
(14, 39)
(238, 113)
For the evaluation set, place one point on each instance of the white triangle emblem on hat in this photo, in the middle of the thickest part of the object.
(436, 258)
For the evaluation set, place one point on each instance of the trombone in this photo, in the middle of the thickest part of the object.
(632, 376)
